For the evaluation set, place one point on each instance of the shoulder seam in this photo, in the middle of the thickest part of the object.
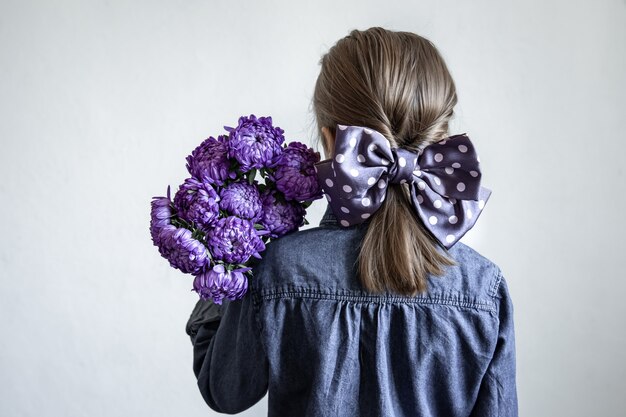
(496, 283)
(253, 294)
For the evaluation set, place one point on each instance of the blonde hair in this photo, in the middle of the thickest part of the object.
(398, 84)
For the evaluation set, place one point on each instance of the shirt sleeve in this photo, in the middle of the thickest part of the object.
(229, 362)
(497, 395)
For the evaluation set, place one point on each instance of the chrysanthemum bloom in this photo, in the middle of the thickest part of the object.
(209, 161)
(197, 202)
(161, 212)
(295, 173)
(219, 283)
(234, 240)
(254, 143)
(181, 250)
(279, 217)
(242, 200)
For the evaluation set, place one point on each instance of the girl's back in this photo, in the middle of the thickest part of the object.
(335, 350)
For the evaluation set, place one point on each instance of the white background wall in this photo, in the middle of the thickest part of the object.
(100, 102)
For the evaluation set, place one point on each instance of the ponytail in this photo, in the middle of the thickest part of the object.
(397, 253)
(398, 84)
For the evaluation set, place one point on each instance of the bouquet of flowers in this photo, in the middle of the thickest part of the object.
(221, 216)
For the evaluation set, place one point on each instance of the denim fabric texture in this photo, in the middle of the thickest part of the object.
(311, 337)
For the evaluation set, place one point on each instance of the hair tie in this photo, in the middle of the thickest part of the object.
(444, 180)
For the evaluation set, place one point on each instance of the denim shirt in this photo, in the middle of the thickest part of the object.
(310, 336)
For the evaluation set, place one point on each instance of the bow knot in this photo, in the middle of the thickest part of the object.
(444, 180)
(402, 167)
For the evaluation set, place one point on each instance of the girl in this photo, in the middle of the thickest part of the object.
(379, 310)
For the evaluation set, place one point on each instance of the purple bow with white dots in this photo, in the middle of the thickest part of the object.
(443, 179)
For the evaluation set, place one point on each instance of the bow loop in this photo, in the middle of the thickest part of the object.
(451, 167)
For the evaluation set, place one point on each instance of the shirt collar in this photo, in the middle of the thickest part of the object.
(330, 218)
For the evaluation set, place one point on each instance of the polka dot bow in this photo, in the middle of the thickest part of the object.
(443, 178)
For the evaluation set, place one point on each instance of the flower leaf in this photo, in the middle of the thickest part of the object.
(251, 176)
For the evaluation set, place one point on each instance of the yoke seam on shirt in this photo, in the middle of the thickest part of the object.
(375, 299)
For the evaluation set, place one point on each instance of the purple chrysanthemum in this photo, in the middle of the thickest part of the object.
(280, 218)
(160, 214)
(219, 283)
(242, 200)
(181, 250)
(209, 161)
(234, 240)
(295, 173)
(255, 143)
(197, 202)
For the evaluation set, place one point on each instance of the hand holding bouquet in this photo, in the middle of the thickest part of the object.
(221, 216)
